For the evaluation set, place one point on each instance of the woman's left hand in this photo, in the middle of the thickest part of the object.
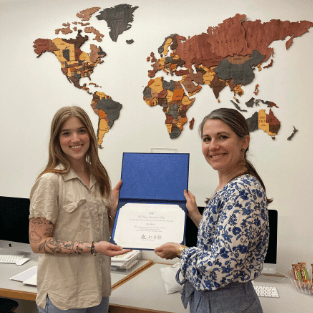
(114, 198)
(167, 251)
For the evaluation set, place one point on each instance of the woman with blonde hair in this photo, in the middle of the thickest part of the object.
(72, 211)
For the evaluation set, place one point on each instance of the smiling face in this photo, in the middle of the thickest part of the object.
(222, 148)
(74, 140)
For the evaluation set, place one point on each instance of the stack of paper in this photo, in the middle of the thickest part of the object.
(125, 261)
(28, 277)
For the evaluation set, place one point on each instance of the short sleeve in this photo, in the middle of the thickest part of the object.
(44, 199)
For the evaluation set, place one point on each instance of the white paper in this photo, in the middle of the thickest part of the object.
(125, 257)
(147, 226)
(31, 281)
(25, 275)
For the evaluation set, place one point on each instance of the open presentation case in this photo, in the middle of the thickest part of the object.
(152, 207)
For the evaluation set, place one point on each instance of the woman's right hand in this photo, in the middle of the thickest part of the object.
(192, 207)
(109, 249)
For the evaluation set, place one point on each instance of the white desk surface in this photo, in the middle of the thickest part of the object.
(290, 299)
(147, 291)
(18, 290)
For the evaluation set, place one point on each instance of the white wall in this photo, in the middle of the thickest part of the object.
(32, 89)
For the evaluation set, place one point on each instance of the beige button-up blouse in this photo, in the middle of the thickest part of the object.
(78, 213)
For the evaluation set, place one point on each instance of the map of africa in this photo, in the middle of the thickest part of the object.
(223, 56)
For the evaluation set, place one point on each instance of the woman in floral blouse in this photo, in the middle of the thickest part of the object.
(233, 232)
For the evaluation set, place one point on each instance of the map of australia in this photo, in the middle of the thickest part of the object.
(223, 56)
(77, 64)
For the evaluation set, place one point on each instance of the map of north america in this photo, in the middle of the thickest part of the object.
(77, 64)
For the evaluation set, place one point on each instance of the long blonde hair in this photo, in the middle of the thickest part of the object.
(57, 156)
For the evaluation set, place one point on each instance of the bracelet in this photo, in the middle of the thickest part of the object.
(76, 247)
(93, 248)
(180, 250)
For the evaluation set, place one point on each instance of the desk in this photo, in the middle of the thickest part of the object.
(14, 289)
(142, 290)
(289, 301)
(17, 290)
(146, 293)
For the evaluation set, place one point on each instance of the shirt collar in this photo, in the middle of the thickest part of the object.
(72, 175)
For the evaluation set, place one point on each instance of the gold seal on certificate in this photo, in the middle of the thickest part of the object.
(147, 226)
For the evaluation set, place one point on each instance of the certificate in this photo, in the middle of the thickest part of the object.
(147, 226)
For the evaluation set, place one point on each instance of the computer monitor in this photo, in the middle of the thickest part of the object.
(14, 220)
(270, 262)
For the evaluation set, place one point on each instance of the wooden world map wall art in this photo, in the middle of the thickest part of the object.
(223, 56)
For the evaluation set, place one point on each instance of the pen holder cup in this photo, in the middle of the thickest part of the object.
(306, 288)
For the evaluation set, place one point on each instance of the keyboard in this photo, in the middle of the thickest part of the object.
(8, 258)
(13, 259)
(265, 291)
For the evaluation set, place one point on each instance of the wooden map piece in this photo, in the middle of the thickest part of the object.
(269, 65)
(85, 15)
(241, 73)
(172, 98)
(260, 35)
(191, 123)
(153, 57)
(293, 134)
(43, 45)
(217, 86)
(94, 31)
(64, 31)
(181, 72)
(237, 106)
(197, 50)
(189, 85)
(118, 18)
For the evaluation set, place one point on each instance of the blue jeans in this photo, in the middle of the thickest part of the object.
(103, 307)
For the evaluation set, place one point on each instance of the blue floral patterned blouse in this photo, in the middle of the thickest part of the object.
(232, 237)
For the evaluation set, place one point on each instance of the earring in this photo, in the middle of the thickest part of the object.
(242, 150)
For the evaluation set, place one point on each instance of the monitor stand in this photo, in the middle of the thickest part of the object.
(269, 269)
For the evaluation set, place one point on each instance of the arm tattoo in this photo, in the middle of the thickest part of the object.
(41, 232)
(54, 246)
(37, 227)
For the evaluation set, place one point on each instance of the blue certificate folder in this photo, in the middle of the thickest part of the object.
(156, 178)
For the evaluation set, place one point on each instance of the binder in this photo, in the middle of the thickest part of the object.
(153, 178)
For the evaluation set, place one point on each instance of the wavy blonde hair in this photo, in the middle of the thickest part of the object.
(57, 156)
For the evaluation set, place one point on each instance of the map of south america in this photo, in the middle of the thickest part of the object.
(224, 56)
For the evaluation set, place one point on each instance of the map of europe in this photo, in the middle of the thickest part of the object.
(223, 56)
